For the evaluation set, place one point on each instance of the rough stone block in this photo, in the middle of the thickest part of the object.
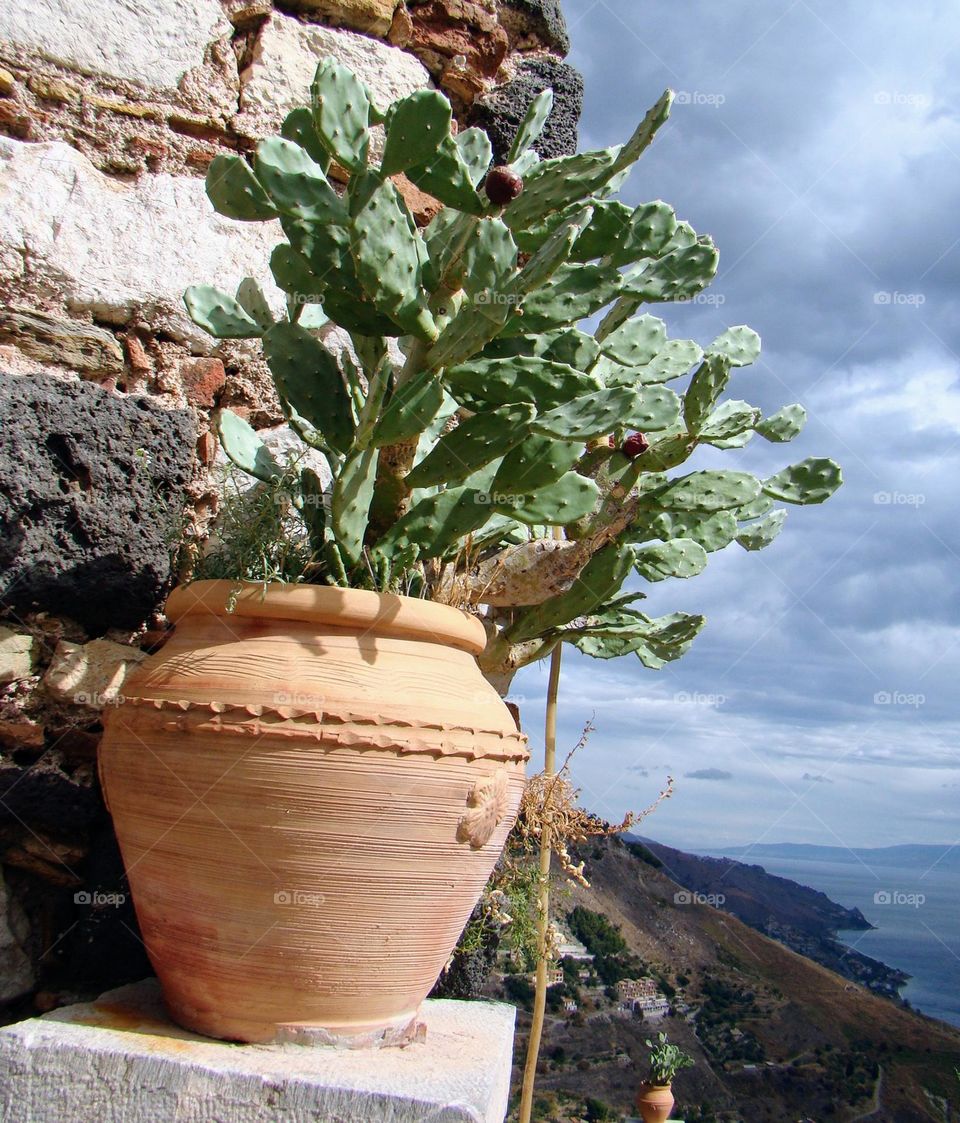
(202, 380)
(17, 735)
(207, 447)
(90, 674)
(533, 23)
(501, 111)
(45, 857)
(152, 42)
(53, 89)
(372, 17)
(91, 493)
(16, 973)
(16, 655)
(14, 121)
(285, 60)
(69, 343)
(440, 31)
(120, 1058)
(422, 206)
(114, 248)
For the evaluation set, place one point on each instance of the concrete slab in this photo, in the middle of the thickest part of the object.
(120, 1058)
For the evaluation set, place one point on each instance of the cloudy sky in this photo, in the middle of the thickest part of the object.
(820, 145)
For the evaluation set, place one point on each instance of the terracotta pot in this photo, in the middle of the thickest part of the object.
(310, 793)
(655, 1102)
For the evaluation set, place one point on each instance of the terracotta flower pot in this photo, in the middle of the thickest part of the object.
(655, 1102)
(310, 793)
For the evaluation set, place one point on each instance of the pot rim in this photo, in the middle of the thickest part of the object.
(387, 614)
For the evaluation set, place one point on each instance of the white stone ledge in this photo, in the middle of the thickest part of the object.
(120, 1059)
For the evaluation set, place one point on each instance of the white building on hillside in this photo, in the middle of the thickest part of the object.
(570, 948)
(653, 1007)
(642, 994)
(629, 990)
(554, 976)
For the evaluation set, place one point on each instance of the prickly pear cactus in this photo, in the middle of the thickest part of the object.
(471, 417)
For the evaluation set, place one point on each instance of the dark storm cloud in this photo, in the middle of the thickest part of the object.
(820, 146)
(797, 141)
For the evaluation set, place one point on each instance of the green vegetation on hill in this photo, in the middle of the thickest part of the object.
(596, 933)
(612, 959)
(519, 990)
(644, 853)
(724, 1010)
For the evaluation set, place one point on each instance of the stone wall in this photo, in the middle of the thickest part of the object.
(110, 114)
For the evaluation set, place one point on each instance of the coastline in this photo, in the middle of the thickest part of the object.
(913, 912)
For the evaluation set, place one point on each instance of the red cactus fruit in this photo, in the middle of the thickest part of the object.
(502, 185)
(635, 445)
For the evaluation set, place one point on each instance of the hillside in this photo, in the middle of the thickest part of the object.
(804, 919)
(754, 895)
(777, 1037)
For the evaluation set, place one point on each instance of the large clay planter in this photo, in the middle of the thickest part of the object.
(310, 793)
(655, 1102)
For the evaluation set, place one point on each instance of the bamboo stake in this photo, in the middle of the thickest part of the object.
(543, 900)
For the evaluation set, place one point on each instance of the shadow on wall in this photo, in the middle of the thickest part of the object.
(73, 928)
(99, 593)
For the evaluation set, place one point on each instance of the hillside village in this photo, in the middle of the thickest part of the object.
(575, 980)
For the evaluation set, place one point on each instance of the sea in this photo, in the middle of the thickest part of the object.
(910, 894)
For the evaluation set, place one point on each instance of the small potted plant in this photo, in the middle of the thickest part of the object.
(313, 779)
(655, 1097)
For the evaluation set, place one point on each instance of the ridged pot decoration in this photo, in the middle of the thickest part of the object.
(310, 793)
